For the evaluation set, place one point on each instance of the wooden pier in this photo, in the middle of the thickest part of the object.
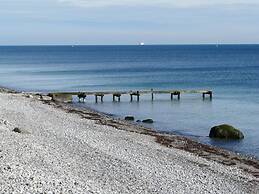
(117, 94)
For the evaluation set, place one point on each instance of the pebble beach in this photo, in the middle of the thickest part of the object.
(58, 151)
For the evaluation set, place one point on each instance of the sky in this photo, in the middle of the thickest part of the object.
(101, 22)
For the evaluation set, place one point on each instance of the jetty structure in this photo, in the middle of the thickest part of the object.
(116, 95)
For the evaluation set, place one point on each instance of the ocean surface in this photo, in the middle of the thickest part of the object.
(231, 71)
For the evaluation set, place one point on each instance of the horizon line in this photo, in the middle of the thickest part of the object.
(179, 44)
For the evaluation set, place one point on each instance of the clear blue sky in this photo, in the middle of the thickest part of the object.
(25, 22)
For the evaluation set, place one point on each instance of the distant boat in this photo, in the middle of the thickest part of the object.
(142, 44)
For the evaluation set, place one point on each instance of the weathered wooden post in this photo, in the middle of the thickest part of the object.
(210, 94)
(96, 98)
(138, 96)
(152, 94)
(179, 95)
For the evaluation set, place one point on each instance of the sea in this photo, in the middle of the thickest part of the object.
(230, 71)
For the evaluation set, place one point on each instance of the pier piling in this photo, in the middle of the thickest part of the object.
(118, 95)
(98, 95)
(82, 96)
(209, 93)
(176, 93)
(134, 94)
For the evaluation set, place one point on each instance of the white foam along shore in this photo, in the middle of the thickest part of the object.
(59, 151)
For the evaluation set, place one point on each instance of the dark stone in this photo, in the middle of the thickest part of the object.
(129, 118)
(225, 132)
(138, 121)
(17, 130)
(148, 121)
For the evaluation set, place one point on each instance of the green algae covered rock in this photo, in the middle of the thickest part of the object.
(225, 132)
(62, 97)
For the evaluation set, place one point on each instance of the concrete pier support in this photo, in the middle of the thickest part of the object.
(209, 93)
(81, 97)
(134, 94)
(116, 95)
(176, 93)
(98, 95)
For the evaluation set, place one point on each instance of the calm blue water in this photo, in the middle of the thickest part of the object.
(231, 71)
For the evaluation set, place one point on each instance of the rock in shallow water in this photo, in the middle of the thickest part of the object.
(225, 132)
(148, 121)
(129, 118)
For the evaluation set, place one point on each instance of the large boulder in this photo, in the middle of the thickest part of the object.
(225, 132)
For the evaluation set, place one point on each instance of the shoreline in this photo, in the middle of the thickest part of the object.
(217, 154)
(169, 142)
(166, 133)
(247, 163)
(167, 139)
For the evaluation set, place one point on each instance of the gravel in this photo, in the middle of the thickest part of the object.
(59, 152)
